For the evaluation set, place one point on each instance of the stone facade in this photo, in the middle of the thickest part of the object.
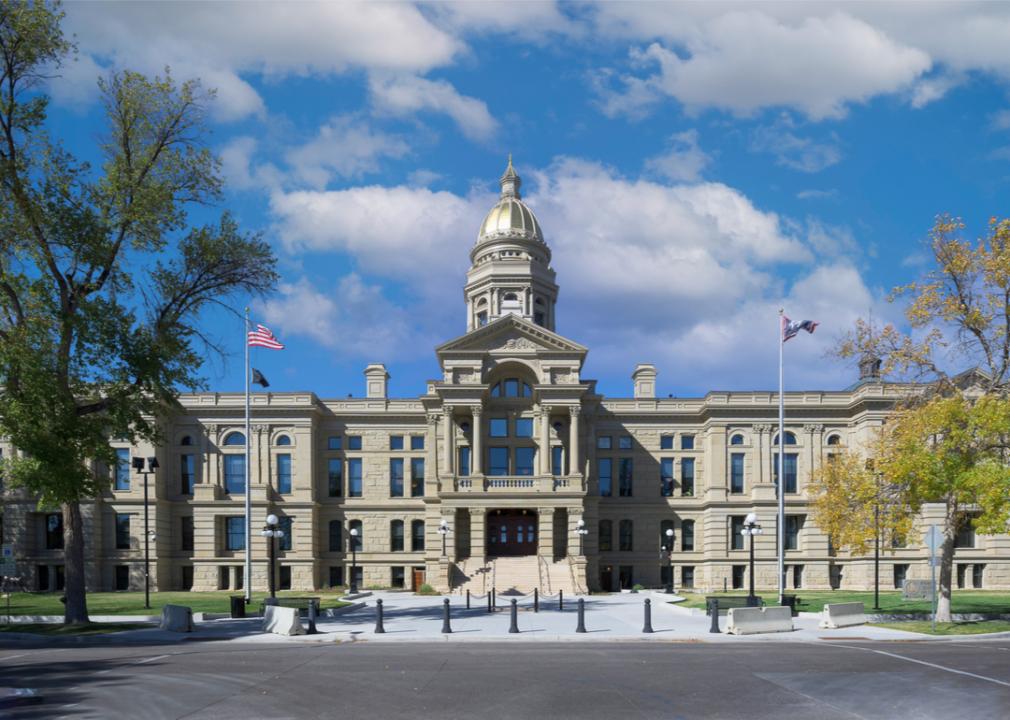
(511, 447)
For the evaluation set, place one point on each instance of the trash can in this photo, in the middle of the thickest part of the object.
(237, 606)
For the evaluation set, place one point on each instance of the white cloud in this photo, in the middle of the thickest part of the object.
(814, 194)
(683, 159)
(346, 147)
(1001, 120)
(792, 150)
(239, 170)
(934, 88)
(406, 95)
(532, 21)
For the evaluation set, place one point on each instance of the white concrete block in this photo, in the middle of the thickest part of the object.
(282, 621)
(750, 621)
(837, 615)
(177, 618)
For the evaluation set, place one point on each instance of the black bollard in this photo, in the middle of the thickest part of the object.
(647, 627)
(468, 598)
(514, 627)
(581, 627)
(379, 628)
(494, 600)
(713, 609)
(536, 600)
(489, 602)
(561, 599)
(312, 619)
(445, 616)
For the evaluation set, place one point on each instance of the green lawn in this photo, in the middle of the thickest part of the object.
(962, 601)
(954, 628)
(132, 603)
(88, 629)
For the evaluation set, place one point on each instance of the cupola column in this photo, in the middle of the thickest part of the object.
(574, 467)
(475, 456)
(450, 440)
(545, 440)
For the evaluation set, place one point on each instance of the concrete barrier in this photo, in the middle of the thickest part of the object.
(282, 620)
(840, 615)
(750, 621)
(177, 618)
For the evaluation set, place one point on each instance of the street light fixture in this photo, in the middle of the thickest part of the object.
(443, 530)
(580, 529)
(876, 534)
(669, 561)
(272, 532)
(354, 560)
(152, 465)
(751, 527)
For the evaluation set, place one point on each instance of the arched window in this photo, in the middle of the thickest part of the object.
(417, 535)
(186, 440)
(511, 388)
(357, 542)
(790, 439)
(235, 438)
(509, 296)
(336, 536)
(396, 535)
(606, 535)
(626, 533)
(283, 440)
(835, 440)
(736, 440)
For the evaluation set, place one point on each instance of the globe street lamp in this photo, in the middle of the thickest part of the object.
(271, 531)
(152, 465)
(443, 530)
(580, 529)
(751, 527)
(354, 560)
(669, 561)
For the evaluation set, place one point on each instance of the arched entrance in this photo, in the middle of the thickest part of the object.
(511, 532)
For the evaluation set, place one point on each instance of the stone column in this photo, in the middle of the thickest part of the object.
(545, 441)
(815, 443)
(450, 433)
(575, 464)
(545, 533)
(476, 460)
(478, 530)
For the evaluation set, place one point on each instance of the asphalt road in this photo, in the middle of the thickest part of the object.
(754, 680)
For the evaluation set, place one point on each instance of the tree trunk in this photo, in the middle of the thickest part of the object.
(76, 608)
(946, 571)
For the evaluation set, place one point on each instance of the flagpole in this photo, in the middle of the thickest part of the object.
(780, 525)
(248, 493)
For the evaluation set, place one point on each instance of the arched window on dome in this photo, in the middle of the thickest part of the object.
(736, 440)
(510, 303)
(511, 388)
(481, 312)
(539, 313)
(790, 439)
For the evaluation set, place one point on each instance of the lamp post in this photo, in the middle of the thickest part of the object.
(152, 465)
(271, 531)
(876, 535)
(443, 530)
(580, 529)
(354, 560)
(669, 561)
(751, 527)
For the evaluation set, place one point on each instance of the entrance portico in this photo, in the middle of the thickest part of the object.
(512, 532)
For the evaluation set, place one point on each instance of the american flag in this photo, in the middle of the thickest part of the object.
(262, 337)
(791, 328)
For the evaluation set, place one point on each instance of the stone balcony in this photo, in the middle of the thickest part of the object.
(514, 484)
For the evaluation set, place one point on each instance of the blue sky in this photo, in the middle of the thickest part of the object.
(694, 167)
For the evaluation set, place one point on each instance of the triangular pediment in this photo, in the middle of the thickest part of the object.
(511, 334)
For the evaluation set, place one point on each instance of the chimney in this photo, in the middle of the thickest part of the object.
(376, 380)
(645, 380)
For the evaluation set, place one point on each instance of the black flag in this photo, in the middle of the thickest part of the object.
(257, 377)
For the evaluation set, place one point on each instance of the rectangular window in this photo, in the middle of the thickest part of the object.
(900, 573)
(336, 533)
(739, 572)
(498, 461)
(186, 474)
(557, 460)
(336, 576)
(284, 578)
(666, 477)
(626, 576)
(624, 477)
(234, 533)
(794, 523)
(122, 469)
(122, 531)
(687, 535)
(687, 576)
(735, 538)
(353, 442)
(464, 461)
(524, 460)
(965, 537)
(606, 477)
(626, 536)
(977, 572)
(603, 442)
(187, 577)
(54, 531)
(624, 442)
(234, 474)
(606, 536)
(666, 442)
(186, 534)
(498, 427)
(122, 577)
(524, 427)
(396, 442)
(333, 442)
(687, 442)
(961, 572)
(396, 576)
(396, 536)
(417, 477)
(354, 477)
(417, 442)
(335, 477)
(417, 535)
(790, 470)
(284, 474)
(287, 539)
(797, 577)
(396, 477)
(687, 476)
(736, 473)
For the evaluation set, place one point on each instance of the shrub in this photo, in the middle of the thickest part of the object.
(426, 589)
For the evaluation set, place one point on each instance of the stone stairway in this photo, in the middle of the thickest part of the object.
(516, 575)
(472, 575)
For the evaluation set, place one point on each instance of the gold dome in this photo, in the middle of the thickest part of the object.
(510, 217)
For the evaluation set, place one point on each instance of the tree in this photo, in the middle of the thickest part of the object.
(103, 280)
(949, 441)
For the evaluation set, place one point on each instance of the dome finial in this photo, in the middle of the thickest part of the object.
(510, 181)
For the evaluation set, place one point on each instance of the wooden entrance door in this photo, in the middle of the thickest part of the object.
(511, 533)
(417, 578)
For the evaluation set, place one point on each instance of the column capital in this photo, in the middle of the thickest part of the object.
(574, 410)
(813, 428)
(476, 410)
(434, 417)
(762, 427)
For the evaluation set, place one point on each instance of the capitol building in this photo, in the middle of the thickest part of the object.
(535, 477)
